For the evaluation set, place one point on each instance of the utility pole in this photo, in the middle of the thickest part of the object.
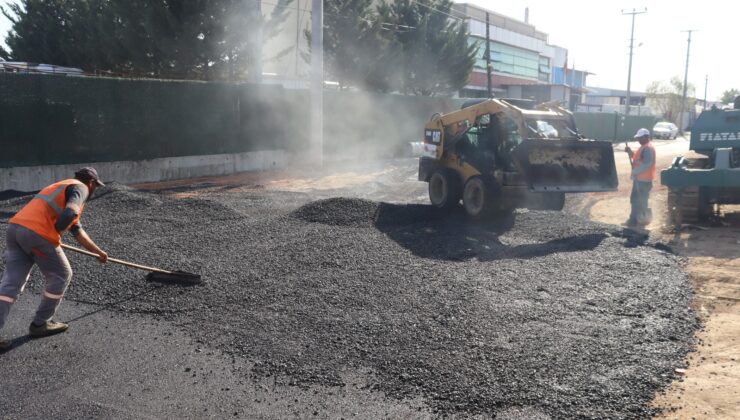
(632, 42)
(706, 82)
(317, 82)
(488, 56)
(685, 82)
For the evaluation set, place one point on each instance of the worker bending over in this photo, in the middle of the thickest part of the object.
(34, 237)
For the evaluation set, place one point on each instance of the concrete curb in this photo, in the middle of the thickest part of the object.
(33, 178)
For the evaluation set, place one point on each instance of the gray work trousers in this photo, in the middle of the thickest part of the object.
(23, 248)
(641, 213)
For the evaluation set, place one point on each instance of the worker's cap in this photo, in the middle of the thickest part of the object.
(642, 133)
(88, 173)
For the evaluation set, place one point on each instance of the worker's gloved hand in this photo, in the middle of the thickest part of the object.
(628, 150)
(102, 256)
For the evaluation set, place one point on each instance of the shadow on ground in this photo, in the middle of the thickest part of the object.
(429, 233)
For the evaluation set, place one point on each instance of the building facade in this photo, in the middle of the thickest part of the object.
(523, 63)
(519, 53)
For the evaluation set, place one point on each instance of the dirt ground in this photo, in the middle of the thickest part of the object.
(710, 388)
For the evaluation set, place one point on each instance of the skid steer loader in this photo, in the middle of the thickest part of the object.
(499, 154)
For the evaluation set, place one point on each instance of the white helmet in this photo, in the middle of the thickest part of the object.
(642, 133)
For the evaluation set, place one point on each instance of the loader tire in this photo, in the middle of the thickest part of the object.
(477, 198)
(444, 190)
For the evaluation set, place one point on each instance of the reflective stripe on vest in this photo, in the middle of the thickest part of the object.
(650, 172)
(51, 199)
(42, 212)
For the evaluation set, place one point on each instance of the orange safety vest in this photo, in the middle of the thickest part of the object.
(649, 173)
(41, 213)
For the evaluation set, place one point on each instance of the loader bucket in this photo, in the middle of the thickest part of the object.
(567, 165)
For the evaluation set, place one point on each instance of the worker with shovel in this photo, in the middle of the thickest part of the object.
(642, 175)
(34, 237)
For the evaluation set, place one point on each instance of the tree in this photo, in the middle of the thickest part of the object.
(411, 46)
(435, 54)
(356, 52)
(40, 28)
(667, 96)
(199, 39)
(729, 96)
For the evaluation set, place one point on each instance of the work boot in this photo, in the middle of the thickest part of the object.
(47, 329)
(4, 344)
(629, 223)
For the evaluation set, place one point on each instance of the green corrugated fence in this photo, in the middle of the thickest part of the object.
(48, 119)
(611, 126)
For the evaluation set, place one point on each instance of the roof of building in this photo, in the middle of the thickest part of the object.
(597, 91)
(497, 19)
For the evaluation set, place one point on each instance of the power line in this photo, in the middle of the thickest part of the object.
(441, 12)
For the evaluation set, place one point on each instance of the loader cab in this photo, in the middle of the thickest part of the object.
(550, 128)
(487, 144)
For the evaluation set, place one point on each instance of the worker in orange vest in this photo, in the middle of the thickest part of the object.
(34, 237)
(642, 175)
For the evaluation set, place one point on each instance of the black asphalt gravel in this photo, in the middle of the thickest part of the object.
(542, 314)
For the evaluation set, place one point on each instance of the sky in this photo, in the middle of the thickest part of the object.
(597, 35)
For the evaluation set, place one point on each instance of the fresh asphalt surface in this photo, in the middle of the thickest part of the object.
(345, 307)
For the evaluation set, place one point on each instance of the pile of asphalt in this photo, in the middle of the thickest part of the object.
(546, 313)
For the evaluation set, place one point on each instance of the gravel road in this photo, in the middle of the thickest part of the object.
(543, 315)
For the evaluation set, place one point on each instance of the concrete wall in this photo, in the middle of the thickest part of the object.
(33, 178)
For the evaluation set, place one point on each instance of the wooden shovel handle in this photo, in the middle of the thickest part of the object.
(117, 261)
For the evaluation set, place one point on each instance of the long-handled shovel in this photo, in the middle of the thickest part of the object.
(155, 274)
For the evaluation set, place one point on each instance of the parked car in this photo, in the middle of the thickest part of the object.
(665, 130)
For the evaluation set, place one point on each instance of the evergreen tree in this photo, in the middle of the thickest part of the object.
(356, 53)
(435, 54)
(198, 39)
(414, 47)
(41, 28)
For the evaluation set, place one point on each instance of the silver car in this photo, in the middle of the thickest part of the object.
(665, 130)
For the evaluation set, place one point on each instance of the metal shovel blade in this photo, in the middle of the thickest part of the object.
(176, 277)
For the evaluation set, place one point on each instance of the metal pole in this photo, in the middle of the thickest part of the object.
(317, 81)
(297, 36)
(629, 69)
(706, 82)
(685, 83)
(255, 71)
(488, 56)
